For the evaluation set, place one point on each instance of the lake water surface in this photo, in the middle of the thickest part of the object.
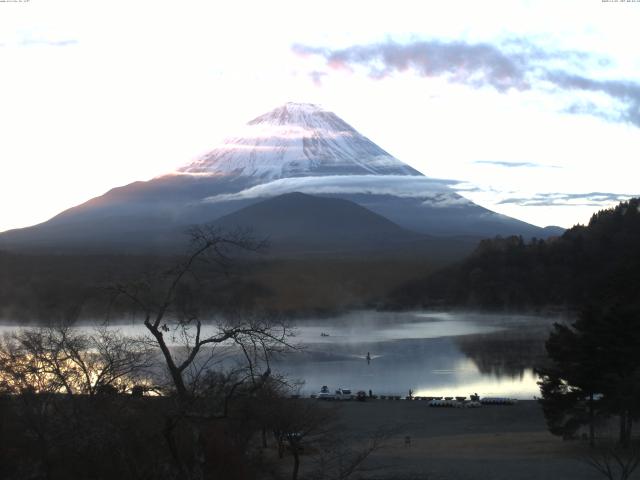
(431, 353)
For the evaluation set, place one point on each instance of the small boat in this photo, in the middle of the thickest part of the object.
(325, 394)
(323, 334)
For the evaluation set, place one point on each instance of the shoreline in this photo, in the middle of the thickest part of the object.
(492, 442)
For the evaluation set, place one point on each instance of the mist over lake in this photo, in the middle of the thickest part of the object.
(431, 353)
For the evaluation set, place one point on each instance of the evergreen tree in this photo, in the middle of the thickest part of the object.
(594, 370)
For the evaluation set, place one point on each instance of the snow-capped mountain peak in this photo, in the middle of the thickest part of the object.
(298, 139)
(306, 115)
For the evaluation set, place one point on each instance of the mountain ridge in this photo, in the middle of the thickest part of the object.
(297, 221)
(336, 162)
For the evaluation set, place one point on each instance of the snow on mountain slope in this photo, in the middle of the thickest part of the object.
(294, 140)
(301, 147)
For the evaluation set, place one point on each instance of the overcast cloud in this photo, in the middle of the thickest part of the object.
(514, 65)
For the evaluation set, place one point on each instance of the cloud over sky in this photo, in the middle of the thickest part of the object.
(515, 64)
(514, 164)
(592, 199)
(626, 92)
(473, 64)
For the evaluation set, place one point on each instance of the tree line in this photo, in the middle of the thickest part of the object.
(588, 263)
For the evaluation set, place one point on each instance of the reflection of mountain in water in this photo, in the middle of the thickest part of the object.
(506, 353)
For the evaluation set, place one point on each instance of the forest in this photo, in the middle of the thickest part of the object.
(592, 263)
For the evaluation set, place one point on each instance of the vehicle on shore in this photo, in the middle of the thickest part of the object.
(343, 394)
(325, 394)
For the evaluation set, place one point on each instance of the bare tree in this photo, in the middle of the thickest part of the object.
(614, 463)
(302, 426)
(170, 310)
(295, 423)
(46, 369)
(174, 313)
(20, 375)
(342, 457)
(65, 360)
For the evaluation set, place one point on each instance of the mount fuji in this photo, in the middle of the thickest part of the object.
(294, 148)
(298, 140)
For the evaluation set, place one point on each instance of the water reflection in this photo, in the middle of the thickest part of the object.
(433, 354)
(509, 353)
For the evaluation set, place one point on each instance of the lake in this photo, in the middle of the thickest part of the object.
(431, 353)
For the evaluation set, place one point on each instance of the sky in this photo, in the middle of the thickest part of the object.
(532, 107)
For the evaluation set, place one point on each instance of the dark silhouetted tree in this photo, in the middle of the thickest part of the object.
(594, 370)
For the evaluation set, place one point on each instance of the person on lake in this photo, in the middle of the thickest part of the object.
(368, 358)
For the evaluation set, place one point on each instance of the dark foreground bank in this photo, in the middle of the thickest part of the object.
(488, 443)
